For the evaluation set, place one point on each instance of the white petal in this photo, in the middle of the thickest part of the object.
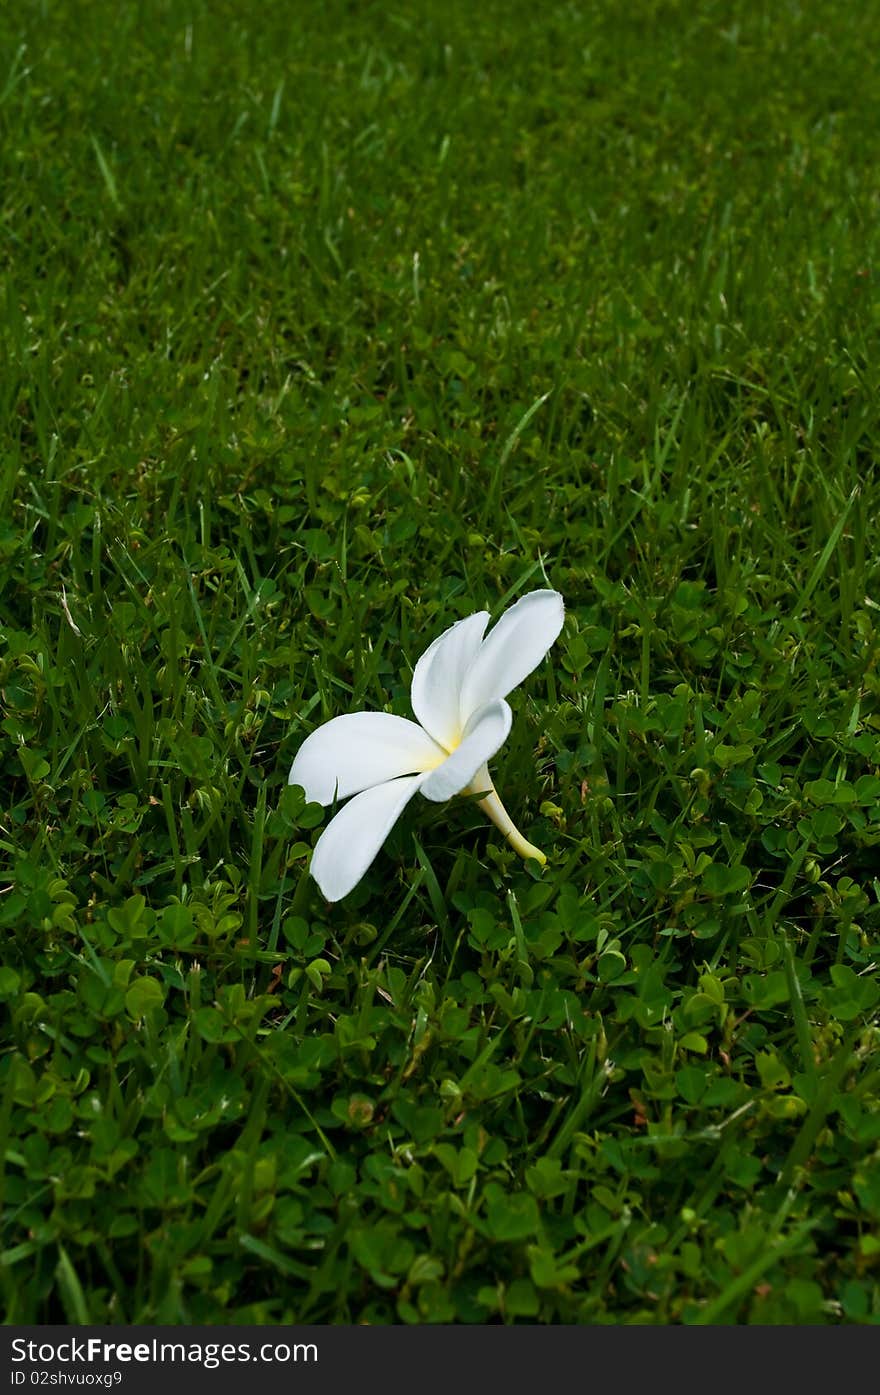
(361, 749)
(438, 676)
(484, 734)
(513, 647)
(351, 840)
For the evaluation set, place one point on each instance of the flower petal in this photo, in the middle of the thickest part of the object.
(513, 647)
(359, 750)
(438, 676)
(484, 734)
(352, 839)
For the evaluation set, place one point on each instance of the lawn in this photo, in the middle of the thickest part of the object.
(325, 325)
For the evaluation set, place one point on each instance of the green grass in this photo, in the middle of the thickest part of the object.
(322, 328)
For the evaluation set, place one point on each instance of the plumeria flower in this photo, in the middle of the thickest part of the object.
(458, 691)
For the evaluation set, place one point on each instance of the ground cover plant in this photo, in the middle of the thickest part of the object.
(323, 326)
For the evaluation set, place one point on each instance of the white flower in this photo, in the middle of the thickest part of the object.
(458, 691)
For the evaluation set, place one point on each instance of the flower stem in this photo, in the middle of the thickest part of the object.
(493, 808)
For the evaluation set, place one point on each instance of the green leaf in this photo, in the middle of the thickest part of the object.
(142, 995)
(720, 880)
(10, 983)
(35, 767)
(512, 1217)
